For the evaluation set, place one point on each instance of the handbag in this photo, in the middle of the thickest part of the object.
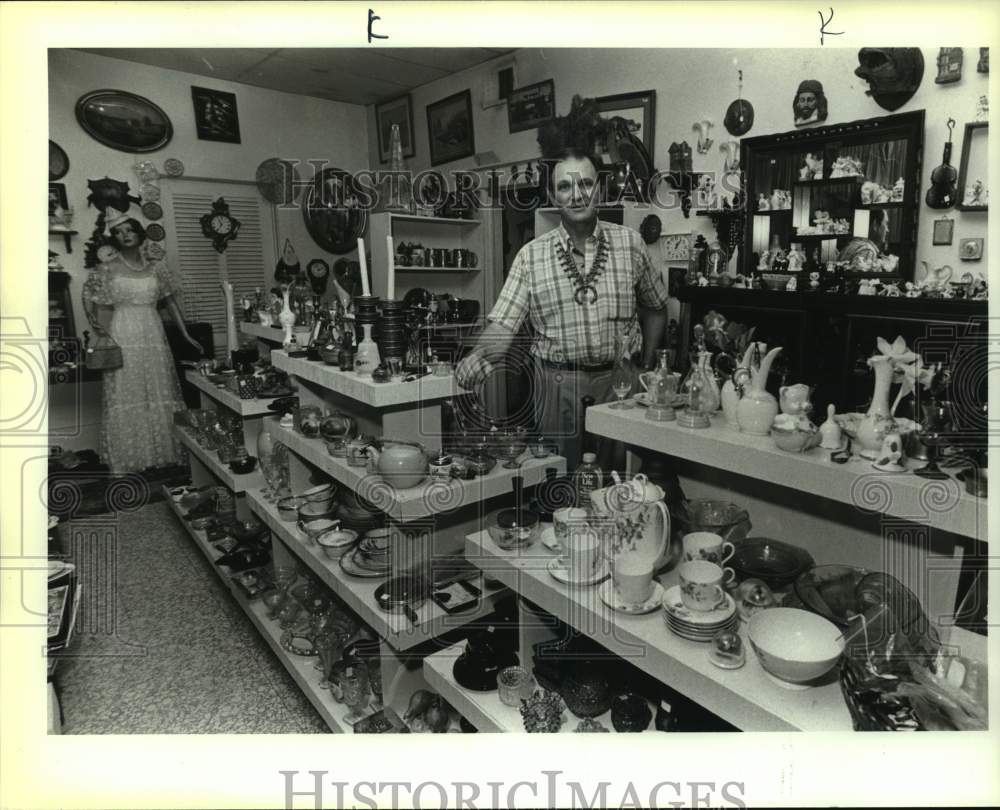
(103, 354)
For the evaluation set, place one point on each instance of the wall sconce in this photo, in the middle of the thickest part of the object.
(704, 142)
(731, 149)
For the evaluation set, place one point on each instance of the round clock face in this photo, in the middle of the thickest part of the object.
(318, 268)
(676, 246)
(221, 224)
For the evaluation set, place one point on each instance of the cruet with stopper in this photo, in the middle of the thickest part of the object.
(661, 385)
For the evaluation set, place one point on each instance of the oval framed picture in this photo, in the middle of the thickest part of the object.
(152, 210)
(155, 232)
(124, 121)
(58, 162)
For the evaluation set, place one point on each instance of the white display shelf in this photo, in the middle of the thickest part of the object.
(299, 667)
(417, 502)
(484, 709)
(273, 334)
(237, 483)
(458, 223)
(363, 388)
(359, 594)
(747, 697)
(244, 407)
(940, 504)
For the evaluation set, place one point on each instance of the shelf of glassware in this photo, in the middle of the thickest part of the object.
(484, 709)
(237, 483)
(429, 498)
(359, 594)
(301, 668)
(943, 505)
(746, 697)
(247, 408)
(362, 388)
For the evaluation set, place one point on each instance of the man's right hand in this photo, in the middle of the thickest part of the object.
(472, 371)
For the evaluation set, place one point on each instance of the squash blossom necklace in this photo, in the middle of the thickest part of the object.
(586, 285)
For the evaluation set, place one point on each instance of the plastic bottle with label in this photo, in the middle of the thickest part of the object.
(587, 478)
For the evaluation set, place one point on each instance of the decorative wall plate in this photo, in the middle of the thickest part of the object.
(173, 167)
(124, 121)
(156, 232)
(152, 210)
(58, 162)
(278, 181)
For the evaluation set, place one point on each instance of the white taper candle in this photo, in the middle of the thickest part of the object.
(365, 289)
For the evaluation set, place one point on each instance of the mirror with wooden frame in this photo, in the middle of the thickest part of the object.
(855, 184)
(973, 194)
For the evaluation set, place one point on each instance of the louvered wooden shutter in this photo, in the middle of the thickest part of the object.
(202, 269)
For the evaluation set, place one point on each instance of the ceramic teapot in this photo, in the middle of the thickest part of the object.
(757, 408)
(402, 464)
(639, 513)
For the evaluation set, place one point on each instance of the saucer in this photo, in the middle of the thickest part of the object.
(350, 565)
(560, 572)
(611, 598)
(548, 538)
(696, 619)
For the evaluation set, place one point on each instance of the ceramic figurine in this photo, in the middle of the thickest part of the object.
(865, 287)
(983, 109)
(830, 432)
(890, 455)
(792, 284)
(287, 317)
(868, 192)
(892, 290)
(795, 399)
(898, 190)
(762, 203)
(814, 280)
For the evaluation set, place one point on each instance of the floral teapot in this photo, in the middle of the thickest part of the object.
(640, 519)
(401, 464)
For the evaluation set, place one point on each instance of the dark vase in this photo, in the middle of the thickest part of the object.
(630, 712)
(586, 690)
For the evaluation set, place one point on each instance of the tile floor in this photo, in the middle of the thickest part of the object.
(177, 655)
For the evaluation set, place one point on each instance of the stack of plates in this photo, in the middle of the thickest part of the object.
(697, 625)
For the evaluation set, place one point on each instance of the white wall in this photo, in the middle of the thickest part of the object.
(272, 124)
(694, 84)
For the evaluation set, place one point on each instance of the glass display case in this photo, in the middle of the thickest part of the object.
(847, 192)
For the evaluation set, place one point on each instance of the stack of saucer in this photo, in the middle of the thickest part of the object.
(371, 556)
(697, 625)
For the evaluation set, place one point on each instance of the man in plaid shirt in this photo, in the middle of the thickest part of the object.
(577, 287)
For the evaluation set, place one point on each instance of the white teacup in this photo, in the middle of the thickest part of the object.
(564, 519)
(707, 546)
(633, 578)
(582, 552)
(702, 584)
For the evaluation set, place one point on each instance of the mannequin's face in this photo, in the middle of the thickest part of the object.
(574, 189)
(126, 235)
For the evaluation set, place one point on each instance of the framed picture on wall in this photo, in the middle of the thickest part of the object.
(638, 110)
(398, 111)
(527, 107)
(944, 231)
(215, 115)
(449, 128)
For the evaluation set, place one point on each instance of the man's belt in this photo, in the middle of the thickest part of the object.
(588, 367)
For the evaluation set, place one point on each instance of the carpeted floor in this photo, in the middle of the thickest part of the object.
(177, 655)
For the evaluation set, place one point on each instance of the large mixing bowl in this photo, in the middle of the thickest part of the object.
(794, 645)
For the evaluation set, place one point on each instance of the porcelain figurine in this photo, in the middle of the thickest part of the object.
(796, 258)
(814, 280)
(829, 431)
(794, 399)
(287, 316)
(757, 407)
(898, 190)
(890, 455)
(762, 203)
(865, 287)
(792, 284)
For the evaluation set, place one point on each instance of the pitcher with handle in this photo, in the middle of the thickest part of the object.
(757, 408)
(639, 527)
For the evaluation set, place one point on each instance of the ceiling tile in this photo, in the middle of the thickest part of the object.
(299, 77)
(222, 63)
(365, 62)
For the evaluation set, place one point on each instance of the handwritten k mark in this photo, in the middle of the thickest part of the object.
(822, 27)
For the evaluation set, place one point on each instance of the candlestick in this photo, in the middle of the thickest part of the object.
(364, 268)
(391, 277)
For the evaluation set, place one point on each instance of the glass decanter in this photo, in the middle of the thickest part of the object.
(702, 398)
(661, 384)
(623, 374)
(354, 686)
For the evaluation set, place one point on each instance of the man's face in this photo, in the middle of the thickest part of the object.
(574, 186)
(805, 105)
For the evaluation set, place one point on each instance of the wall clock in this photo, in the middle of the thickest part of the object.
(319, 273)
(219, 226)
(676, 247)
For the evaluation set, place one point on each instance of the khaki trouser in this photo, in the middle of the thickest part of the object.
(559, 414)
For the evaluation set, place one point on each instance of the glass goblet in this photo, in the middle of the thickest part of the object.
(512, 445)
(354, 684)
(936, 423)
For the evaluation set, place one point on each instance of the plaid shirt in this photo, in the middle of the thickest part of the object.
(539, 290)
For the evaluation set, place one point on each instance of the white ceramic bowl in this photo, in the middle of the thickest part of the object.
(795, 645)
(335, 542)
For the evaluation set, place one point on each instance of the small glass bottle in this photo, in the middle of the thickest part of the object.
(587, 478)
(366, 358)
(662, 385)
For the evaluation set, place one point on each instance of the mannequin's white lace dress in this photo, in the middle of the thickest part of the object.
(141, 397)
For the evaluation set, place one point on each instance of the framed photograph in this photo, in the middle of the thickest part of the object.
(527, 107)
(215, 116)
(123, 121)
(398, 111)
(944, 231)
(449, 128)
(970, 250)
(57, 198)
(638, 109)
